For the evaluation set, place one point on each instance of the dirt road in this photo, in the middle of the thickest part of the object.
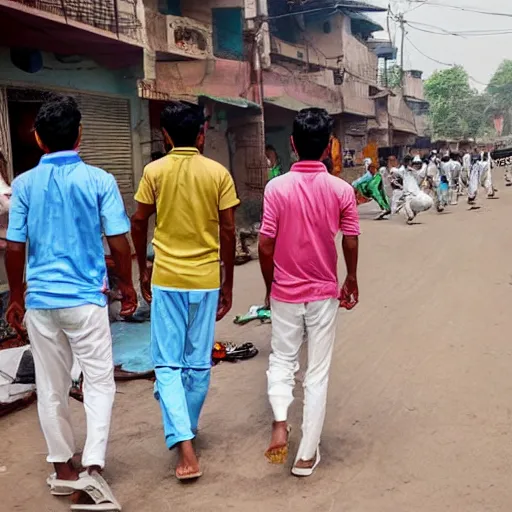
(420, 404)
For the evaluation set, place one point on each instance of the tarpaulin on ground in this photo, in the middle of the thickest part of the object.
(17, 377)
(131, 346)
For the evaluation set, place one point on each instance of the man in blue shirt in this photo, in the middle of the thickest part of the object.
(59, 211)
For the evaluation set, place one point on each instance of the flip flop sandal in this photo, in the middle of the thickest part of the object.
(59, 487)
(279, 454)
(304, 472)
(241, 352)
(191, 476)
(95, 486)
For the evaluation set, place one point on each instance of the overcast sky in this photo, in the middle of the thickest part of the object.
(479, 55)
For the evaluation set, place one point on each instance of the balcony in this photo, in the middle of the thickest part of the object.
(297, 53)
(118, 17)
(189, 38)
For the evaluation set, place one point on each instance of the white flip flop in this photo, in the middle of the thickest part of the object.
(59, 487)
(303, 472)
(95, 486)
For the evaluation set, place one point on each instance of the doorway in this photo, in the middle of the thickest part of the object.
(23, 106)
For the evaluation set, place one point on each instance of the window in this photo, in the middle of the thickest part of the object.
(228, 33)
(170, 7)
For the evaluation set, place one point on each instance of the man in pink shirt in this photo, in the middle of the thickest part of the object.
(303, 212)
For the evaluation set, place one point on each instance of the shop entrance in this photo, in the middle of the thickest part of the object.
(23, 106)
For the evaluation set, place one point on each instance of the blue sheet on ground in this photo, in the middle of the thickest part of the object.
(131, 346)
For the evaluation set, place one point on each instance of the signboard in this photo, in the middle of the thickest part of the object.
(502, 157)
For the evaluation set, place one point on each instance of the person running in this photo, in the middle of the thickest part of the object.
(466, 170)
(455, 176)
(298, 260)
(59, 211)
(194, 200)
(413, 199)
(396, 184)
(481, 176)
(374, 189)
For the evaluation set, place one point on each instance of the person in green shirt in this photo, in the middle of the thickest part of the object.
(274, 164)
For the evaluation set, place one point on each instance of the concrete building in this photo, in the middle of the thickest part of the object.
(252, 63)
(92, 50)
(414, 96)
(323, 53)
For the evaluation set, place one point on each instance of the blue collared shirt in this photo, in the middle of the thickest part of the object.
(61, 208)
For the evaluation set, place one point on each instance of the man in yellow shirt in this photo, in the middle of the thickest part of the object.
(194, 200)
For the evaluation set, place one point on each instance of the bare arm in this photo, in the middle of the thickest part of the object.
(349, 297)
(122, 256)
(227, 256)
(351, 253)
(140, 222)
(266, 249)
(15, 267)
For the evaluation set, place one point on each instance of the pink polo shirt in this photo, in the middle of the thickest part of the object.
(304, 210)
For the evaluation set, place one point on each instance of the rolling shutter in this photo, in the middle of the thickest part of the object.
(107, 137)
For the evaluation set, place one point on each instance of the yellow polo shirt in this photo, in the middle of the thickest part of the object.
(188, 190)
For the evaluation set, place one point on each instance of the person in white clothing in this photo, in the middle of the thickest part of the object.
(58, 213)
(414, 200)
(298, 259)
(455, 175)
(396, 185)
(481, 176)
(466, 170)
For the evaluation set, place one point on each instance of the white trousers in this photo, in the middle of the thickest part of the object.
(396, 200)
(479, 179)
(57, 336)
(421, 202)
(289, 323)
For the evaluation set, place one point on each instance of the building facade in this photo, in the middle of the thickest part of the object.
(252, 64)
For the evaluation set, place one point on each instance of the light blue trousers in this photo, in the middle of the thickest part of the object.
(182, 338)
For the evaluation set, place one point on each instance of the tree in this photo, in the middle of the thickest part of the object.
(456, 109)
(500, 95)
(393, 76)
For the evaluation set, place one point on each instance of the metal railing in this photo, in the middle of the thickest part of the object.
(116, 16)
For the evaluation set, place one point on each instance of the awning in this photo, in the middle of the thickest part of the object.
(362, 23)
(287, 102)
(402, 125)
(290, 103)
(234, 102)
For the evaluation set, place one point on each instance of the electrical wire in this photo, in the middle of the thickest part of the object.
(463, 8)
(462, 33)
(426, 56)
(473, 79)
(420, 4)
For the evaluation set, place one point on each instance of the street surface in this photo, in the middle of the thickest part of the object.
(420, 404)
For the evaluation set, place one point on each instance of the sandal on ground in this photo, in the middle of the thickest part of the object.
(191, 476)
(59, 487)
(95, 486)
(303, 472)
(279, 454)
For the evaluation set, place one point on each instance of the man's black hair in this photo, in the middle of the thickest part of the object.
(407, 160)
(312, 130)
(183, 123)
(58, 123)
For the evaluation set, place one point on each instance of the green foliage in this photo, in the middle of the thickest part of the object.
(459, 111)
(456, 109)
(499, 92)
(394, 76)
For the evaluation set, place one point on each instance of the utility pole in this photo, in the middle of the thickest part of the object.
(401, 20)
